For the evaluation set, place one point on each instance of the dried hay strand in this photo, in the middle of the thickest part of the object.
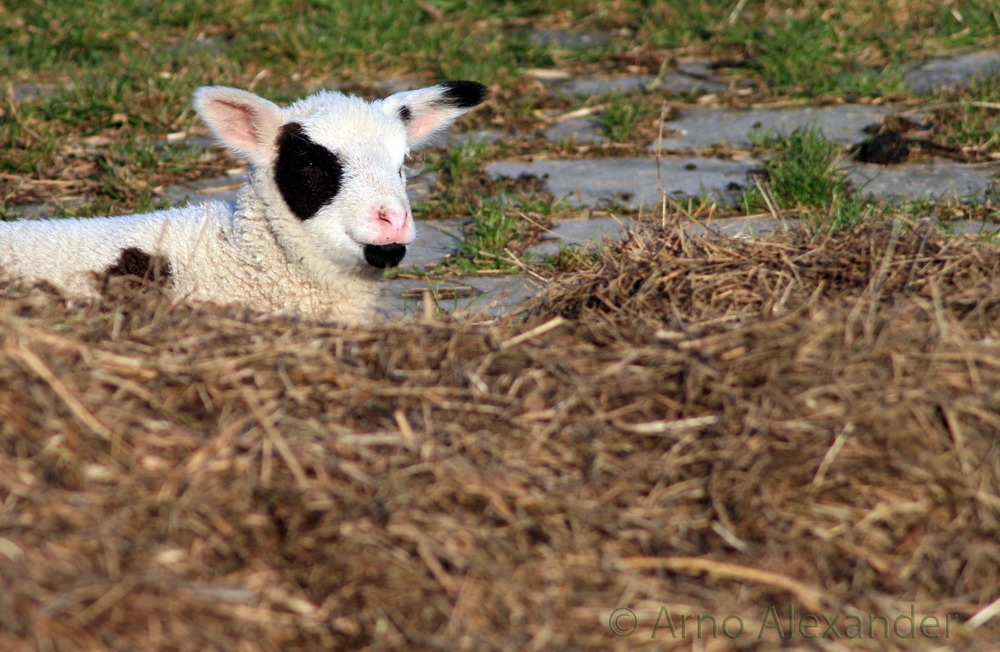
(704, 426)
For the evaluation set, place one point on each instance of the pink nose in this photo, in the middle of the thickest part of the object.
(392, 224)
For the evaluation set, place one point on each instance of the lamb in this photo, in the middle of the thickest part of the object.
(322, 213)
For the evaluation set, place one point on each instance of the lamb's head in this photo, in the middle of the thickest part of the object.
(336, 162)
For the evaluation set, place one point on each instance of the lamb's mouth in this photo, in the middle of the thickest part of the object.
(382, 256)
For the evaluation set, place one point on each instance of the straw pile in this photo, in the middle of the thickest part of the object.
(691, 427)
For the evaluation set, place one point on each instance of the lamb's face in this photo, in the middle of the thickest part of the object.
(339, 169)
(337, 164)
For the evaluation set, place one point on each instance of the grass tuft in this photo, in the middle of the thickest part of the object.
(802, 173)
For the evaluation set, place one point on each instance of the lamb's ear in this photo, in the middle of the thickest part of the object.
(428, 111)
(246, 124)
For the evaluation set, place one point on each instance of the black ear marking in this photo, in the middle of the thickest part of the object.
(308, 175)
(463, 94)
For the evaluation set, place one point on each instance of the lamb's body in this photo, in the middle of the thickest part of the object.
(323, 210)
(216, 251)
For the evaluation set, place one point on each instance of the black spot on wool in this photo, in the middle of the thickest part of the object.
(134, 272)
(383, 256)
(308, 175)
(136, 262)
(464, 94)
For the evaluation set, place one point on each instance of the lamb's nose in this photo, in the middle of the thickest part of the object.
(393, 223)
(383, 256)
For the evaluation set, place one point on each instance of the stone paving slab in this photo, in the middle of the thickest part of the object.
(502, 295)
(582, 130)
(590, 233)
(434, 241)
(581, 233)
(675, 83)
(224, 188)
(926, 179)
(952, 72)
(418, 186)
(632, 181)
(591, 87)
(683, 84)
(707, 127)
(490, 295)
(477, 136)
(971, 227)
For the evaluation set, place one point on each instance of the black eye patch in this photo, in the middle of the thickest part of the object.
(308, 175)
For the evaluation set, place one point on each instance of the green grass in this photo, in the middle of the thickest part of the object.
(803, 57)
(123, 74)
(498, 226)
(972, 118)
(802, 173)
(626, 115)
(805, 179)
(352, 38)
(459, 171)
(494, 226)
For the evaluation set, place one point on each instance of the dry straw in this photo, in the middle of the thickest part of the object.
(701, 426)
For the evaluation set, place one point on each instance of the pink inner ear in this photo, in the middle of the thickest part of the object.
(238, 124)
(423, 124)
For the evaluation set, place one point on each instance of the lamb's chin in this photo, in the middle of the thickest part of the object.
(383, 256)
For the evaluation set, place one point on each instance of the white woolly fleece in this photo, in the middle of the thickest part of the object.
(258, 251)
(217, 251)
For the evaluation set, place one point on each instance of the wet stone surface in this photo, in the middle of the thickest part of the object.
(924, 180)
(224, 188)
(709, 127)
(580, 130)
(971, 227)
(435, 240)
(493, 296)
(476, 136)
(952, 72)
(673, 83)
(584, 234)
(590, 87)
(680, 84)
(633, 182)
